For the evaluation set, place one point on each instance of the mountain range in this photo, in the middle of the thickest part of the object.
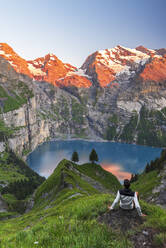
(118, 94)
(105, 67)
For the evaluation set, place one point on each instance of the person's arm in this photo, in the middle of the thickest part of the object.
(115, 201)
(137, 206)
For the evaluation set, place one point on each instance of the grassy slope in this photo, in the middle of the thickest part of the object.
(16, 175)
(50, 189)
(74, 224)
(99, 174)
(14, 95)
(146, 183)
(5, 132)
(12, 169)
(151, 177)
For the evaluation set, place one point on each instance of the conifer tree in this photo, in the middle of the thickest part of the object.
(75, 157)
(147, 168)
(93, 156)
(134, 177)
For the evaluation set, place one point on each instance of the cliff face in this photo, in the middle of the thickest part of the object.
(29, 131)
(18, 112)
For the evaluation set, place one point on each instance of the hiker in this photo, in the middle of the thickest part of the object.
(128, 199)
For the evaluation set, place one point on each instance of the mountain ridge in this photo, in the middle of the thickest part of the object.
(73, 180)
(104, 66)
(65, 215)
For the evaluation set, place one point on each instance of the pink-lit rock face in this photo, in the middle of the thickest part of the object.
(106, 67)
(19, 64)
(116, 170)
(155, 70)
(49, 68)
(74, 80)
(143, 49)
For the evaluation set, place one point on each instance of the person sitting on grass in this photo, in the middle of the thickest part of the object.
(128, 199)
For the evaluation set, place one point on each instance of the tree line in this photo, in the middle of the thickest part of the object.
(21, 188)
(93, 157)
(157, 164)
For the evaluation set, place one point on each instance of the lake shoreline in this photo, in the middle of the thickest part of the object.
(88, 140)
(131, 158)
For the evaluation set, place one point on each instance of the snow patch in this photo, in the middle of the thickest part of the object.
(78, 72)
(69, 67)
(11, 62)
(52, 58)
(151, 50)
(157, 56)
(36, 71)
(8, 55)
(2, 52)
(35, 63)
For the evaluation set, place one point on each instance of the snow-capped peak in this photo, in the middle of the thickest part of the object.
(119, 59)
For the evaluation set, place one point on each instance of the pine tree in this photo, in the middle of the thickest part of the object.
(132, 178)
(93, 156)
(147, 168)
(75, 157)
(136, 177)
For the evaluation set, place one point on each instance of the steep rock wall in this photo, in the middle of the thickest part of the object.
(29, 131)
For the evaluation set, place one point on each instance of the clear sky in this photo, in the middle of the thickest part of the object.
(73, 29)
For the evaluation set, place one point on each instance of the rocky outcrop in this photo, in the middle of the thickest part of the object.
(2, 146)
(95, 184)
(29, 130)
(155, 70)
(3, 205)
(159, 192)
(127, 220)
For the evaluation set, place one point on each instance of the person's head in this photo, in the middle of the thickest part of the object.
(126, 184)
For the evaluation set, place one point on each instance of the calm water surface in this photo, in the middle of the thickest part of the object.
(120, 159)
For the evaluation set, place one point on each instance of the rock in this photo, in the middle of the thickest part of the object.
(129, 224)
(159, 192)
(121, 219)
(145, 233)
(2, 146)
(3, 205)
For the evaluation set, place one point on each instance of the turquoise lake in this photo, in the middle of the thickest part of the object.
(118, 158)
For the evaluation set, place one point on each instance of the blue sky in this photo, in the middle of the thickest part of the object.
(73, 29)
